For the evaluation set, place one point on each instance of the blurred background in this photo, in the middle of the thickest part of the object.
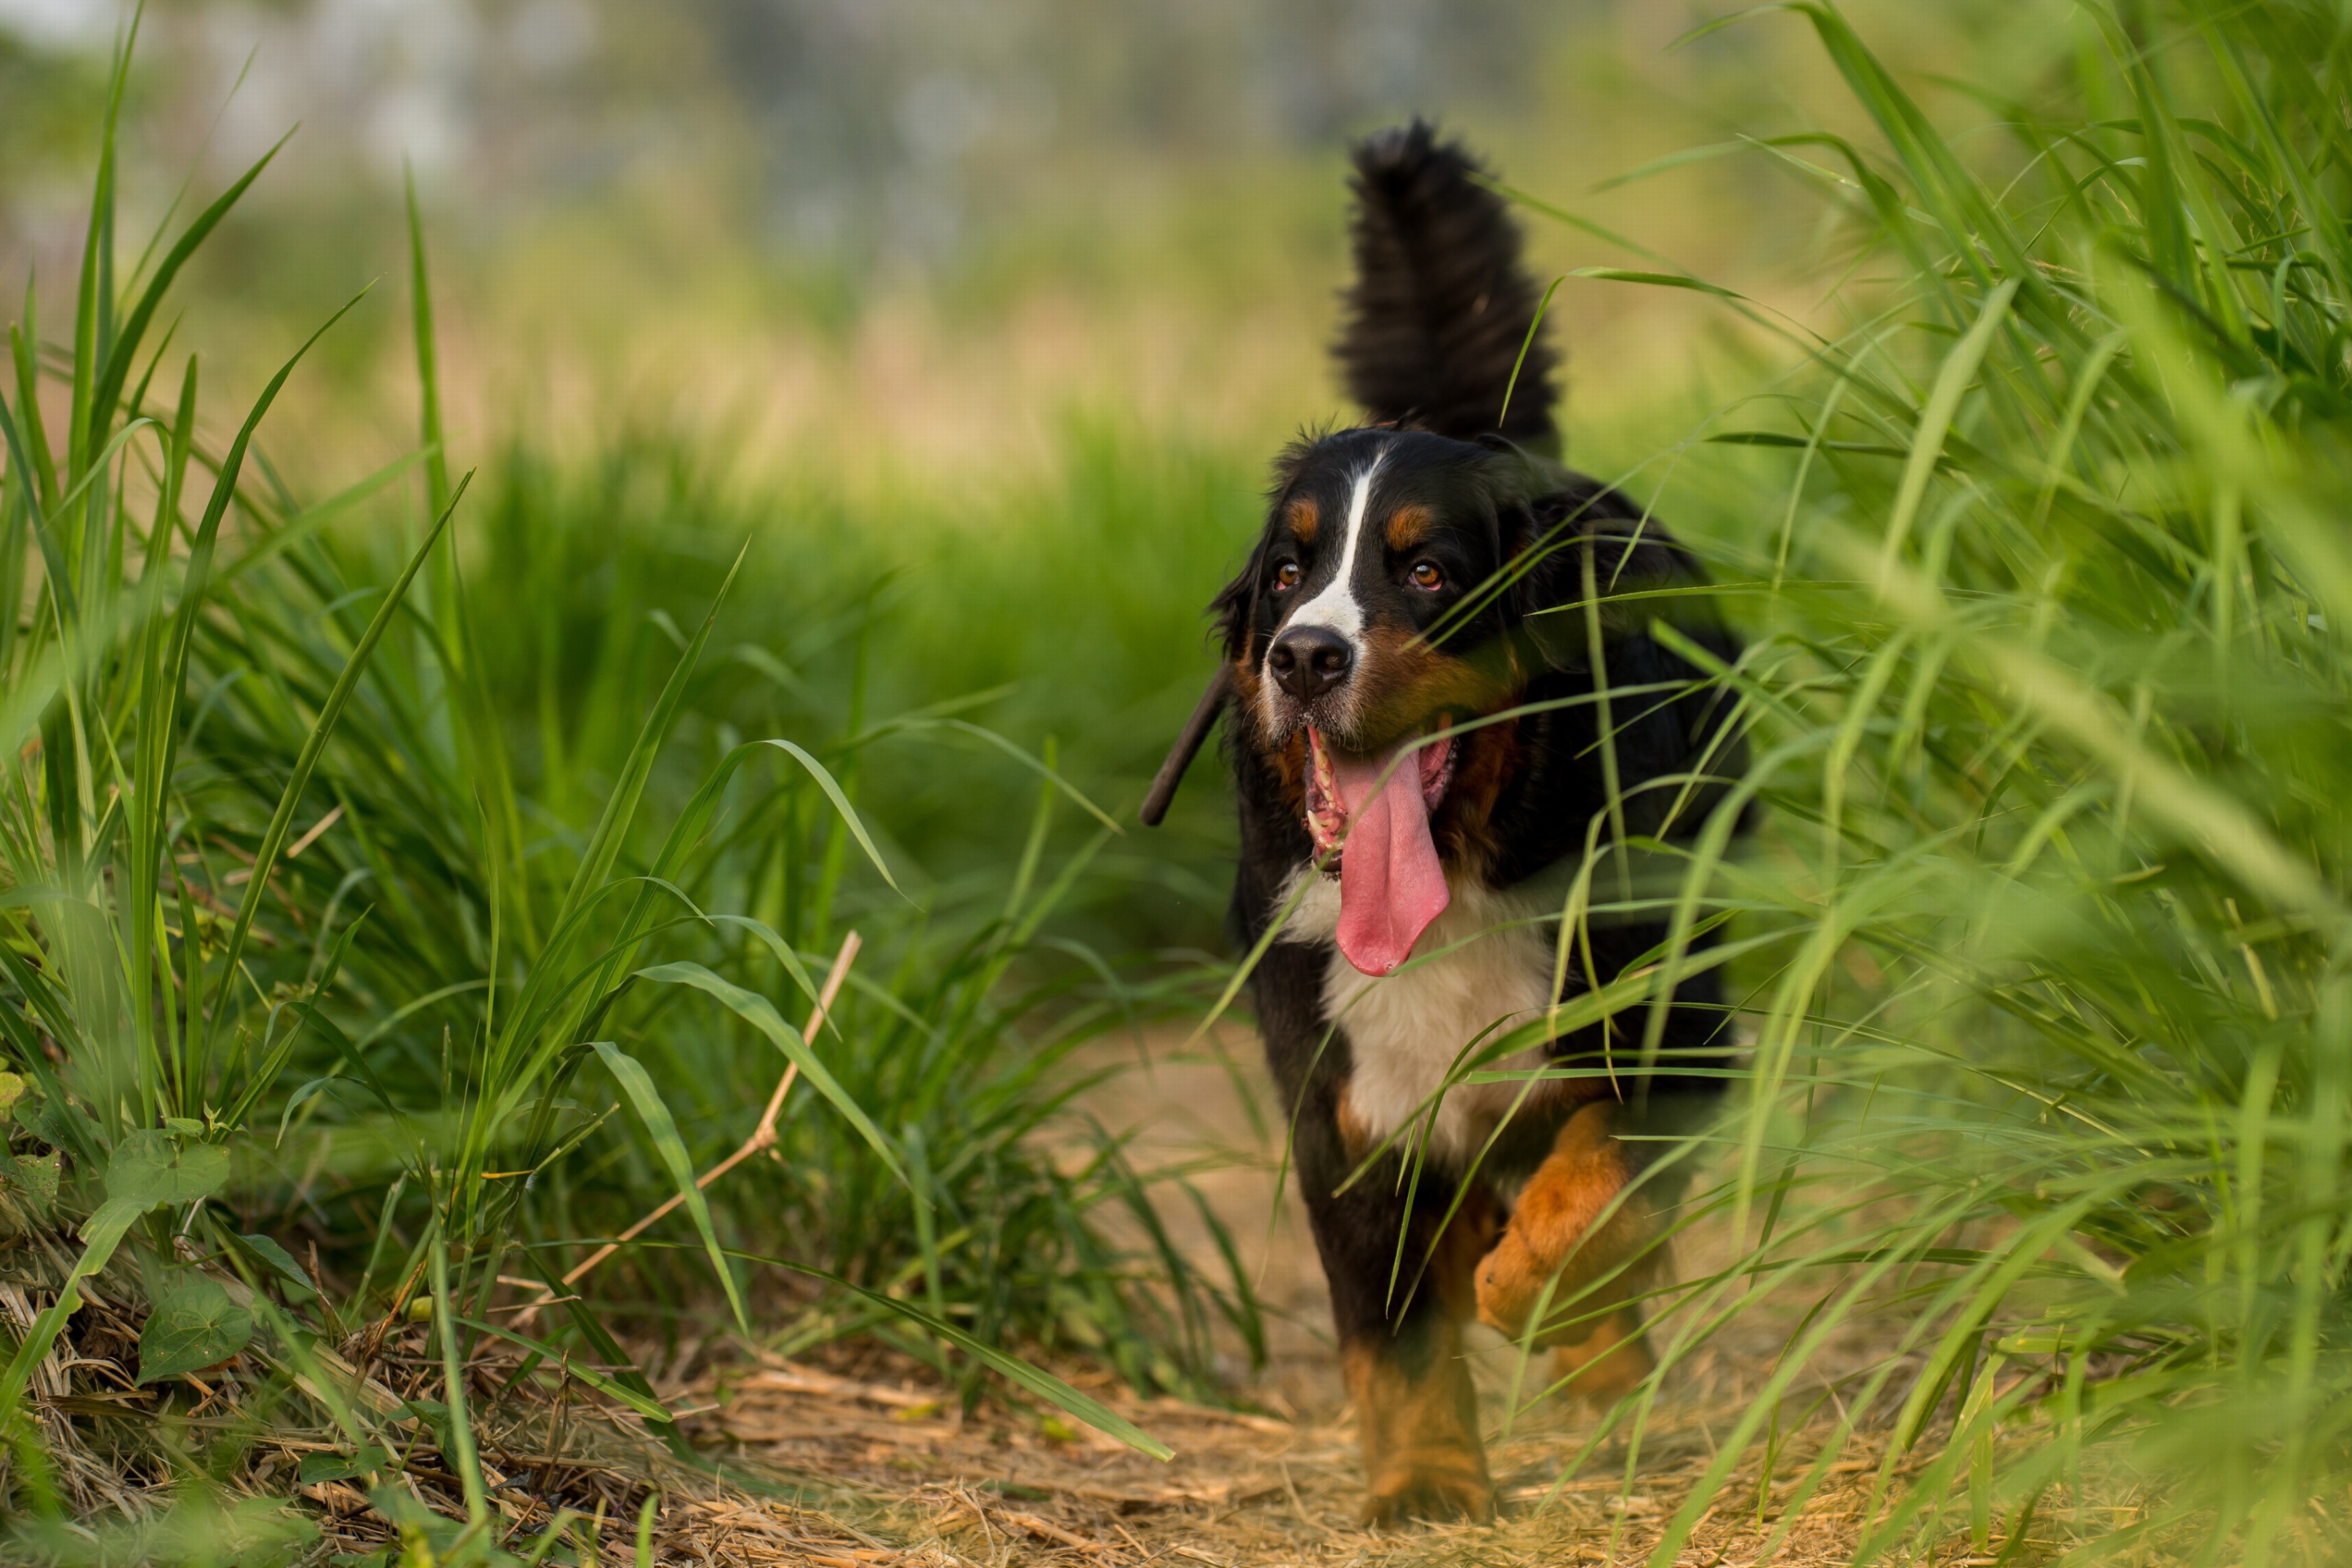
(981, 322)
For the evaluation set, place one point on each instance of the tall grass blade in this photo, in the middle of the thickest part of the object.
(654, 1114)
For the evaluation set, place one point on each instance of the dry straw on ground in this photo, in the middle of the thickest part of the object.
(1004, 1487)
(871, 1461)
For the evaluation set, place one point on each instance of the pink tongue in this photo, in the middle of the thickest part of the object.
(1391, 885)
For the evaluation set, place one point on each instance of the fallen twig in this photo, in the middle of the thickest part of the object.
(1046, 1529)
(762, 1136)
(317, 827)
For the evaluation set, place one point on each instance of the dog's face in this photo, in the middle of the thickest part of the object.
(1366, 615)
(1367, 626)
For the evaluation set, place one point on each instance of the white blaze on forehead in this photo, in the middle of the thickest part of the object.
(1337, 606)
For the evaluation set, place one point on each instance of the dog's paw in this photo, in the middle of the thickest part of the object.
(1432, 1488)
(1510, 1281)
(1567, 1234)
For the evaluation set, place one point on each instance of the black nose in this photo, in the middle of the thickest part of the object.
(1310, 661)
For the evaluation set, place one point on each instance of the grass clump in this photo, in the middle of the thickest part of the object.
(2046, 690)
(353, 977)
(1065, 605)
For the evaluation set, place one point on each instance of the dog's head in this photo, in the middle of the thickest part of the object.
(1397, 595)
(1379, 612)
(1369, 614)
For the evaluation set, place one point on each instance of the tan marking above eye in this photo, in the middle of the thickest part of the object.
(1409, 525)
(1304, 517)
(1425, 575)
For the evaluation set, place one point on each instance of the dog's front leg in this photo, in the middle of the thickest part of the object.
(1564, 1229)
(1418, 1415)
(1400, 1342)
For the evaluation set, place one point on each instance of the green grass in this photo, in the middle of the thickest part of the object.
(435, 892)
(1068, 605)
(2042, 559)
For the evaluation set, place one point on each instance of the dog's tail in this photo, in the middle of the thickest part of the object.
(1441, 306)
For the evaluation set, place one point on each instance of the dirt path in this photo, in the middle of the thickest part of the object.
(868, 1460)
(922, 1488)
(893, 1475)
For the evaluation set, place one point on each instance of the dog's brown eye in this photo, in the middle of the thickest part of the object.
(1286, 574)
(1425, 575)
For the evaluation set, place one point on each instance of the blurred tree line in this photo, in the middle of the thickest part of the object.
(868, 132)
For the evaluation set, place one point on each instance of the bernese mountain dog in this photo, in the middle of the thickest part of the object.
(1448, 705)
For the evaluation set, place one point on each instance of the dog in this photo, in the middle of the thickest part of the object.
(1443, 704)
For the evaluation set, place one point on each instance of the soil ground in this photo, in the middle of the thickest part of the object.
(887, 1471)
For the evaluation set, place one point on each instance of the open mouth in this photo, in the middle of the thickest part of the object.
(1327, 803)
(1374, 808)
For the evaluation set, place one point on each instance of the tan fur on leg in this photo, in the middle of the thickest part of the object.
(1422, 1454)
(1552, 1232)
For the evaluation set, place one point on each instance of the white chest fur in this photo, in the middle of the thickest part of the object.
(1408, 1032)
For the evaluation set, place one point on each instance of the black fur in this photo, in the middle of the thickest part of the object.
(1441, 306)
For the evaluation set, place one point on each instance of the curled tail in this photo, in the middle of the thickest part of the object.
(1441, 305)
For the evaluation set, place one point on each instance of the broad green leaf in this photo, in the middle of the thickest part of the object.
(59, 1122)
(151, 1168)
(761, 1014)
(639, 1086)
(32, 1179)
(194, 1325)
(365, 1460)
(267, 1250)
(12, 1090)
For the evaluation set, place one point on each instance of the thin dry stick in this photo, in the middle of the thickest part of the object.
(317, 827)
(762, 1136)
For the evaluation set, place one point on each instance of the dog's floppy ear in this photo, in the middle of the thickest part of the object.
(1235, 609)
(1234, 612)
(1556, 534)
